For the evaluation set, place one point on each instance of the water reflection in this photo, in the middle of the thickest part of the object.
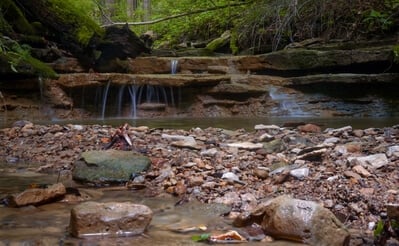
(48, 224)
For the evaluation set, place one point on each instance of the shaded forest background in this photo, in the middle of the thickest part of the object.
(256, 26)
(259, 24)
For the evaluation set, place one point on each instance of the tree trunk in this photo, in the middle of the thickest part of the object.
(147, 10)
(131, 7)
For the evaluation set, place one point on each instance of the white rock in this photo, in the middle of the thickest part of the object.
(77, 127)
(271, 129)
(341, 149)
(178, 138)
(300, 173)
(393, 151)
(375, 161)
(333, 140)
(230, 176)
(245, 145)
(265, 137)
(332, 178)
(339, 130)
(209, 152)
(371, 225)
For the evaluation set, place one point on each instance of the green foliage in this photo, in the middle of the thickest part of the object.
(379, 229)
(381, 19)
(200, 238)
(396, 53)
(378, 20)
(20, 60)
(264, 25)
(233, 42)
(202, 26)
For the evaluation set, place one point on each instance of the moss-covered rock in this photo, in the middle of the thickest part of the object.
(11, 15)
(83, 28)
(220, 44)
(12, 63)
(110, 166)
(64, 22)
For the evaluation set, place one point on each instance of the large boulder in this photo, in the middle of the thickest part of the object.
(110, 166)
(118, 43)
(298, 220)
(109, 219)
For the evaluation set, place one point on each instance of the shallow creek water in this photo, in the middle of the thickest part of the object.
(48, 224)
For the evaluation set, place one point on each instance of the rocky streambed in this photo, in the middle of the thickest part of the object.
(351, 172)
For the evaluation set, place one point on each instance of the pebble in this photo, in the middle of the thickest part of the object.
(225, 165)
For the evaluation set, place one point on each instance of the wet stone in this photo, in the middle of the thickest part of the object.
(306, 222)
(110, 166)
(110, 219)
(37, 196)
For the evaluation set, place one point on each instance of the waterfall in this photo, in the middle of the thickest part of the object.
(173, 66)
(286, 104)
(120, 99)
(114, 99)
(41, 87)
(133, 98)
(104, 99)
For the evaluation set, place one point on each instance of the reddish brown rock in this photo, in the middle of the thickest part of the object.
(309, 128)
(37, 196)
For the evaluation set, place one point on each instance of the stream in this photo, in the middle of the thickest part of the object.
(48, 224)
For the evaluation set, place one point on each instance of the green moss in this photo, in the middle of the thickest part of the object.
(396, 53)
(217, 43)
(233, 43)
(26, 65)
(40, 68)
(13, 15)
(84, 27)
(15, 58)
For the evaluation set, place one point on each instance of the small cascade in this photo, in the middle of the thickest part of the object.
(104, 99)
(173, 66)
(125, 100)
(133, 98)
(120, 99)
(152, 94)
(286, 104)
(41, 87)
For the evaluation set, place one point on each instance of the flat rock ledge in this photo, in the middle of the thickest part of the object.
(111, 219)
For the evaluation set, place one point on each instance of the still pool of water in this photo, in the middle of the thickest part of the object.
(48, 224)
